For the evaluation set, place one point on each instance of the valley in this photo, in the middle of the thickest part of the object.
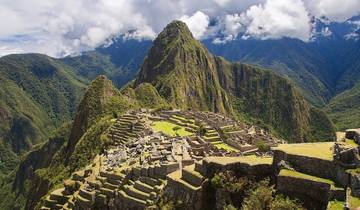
(190, 130)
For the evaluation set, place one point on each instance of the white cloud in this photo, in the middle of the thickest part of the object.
(272, 20)
(334, 9)
(5, 50)
(276, 18)
(197, 23)
(62, 27)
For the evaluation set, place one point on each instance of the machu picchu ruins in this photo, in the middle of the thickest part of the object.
(180, 105)
(173, 155)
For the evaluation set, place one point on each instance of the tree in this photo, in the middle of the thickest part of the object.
(176, 129)
(284, 203)
(260, 197)
(201, 130)
(115, 114)
(262, 146)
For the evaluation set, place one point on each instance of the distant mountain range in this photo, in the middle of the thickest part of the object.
(326, 70)
(322, 68)
(41, 92)
(178, 72)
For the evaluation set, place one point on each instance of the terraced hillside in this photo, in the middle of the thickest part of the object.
(143, 166)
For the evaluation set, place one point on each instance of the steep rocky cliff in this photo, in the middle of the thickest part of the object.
(188, 76)
(183, 71)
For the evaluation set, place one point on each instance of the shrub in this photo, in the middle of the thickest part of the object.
(284, 203)
(262, 146)
(260, 197)
(201, 130)
(229, 207)
(228, 181)
(115, 115)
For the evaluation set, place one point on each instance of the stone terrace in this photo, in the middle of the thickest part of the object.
(142, 166)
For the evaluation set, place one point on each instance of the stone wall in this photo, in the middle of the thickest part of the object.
(353, 134)
(355, 184)
(240, 169)
(317, 167)
(191, 198)
(314, 195)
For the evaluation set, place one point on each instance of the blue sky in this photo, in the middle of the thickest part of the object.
(63, 27)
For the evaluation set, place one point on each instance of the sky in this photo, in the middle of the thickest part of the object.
(67, 27)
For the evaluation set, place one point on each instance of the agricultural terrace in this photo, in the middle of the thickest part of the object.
(321, 150)
(351, 143)
(354, 202)
(251, 160)
(222, 145)
(170, 129)
(295, 174)
(336, 205)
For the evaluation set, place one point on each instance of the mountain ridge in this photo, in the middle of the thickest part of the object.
(188, 75)
(39, 93)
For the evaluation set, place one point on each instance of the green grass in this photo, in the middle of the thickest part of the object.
(316, 150)
(167, 128)
(225, 147)
(336, 205)
(351, 142)
(343, 109)
(354, 202)
(251, 160)
(354, 171)
(291, 173)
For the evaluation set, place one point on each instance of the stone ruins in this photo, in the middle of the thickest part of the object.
(142, 164)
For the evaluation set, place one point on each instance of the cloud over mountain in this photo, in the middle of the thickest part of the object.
(65, 27)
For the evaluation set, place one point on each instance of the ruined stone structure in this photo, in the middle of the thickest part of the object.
(142, 166)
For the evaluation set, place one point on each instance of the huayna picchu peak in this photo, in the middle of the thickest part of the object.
(186, 130)
(187, 75)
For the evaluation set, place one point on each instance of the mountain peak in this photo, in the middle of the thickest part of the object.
(91, 107)
(174, 29)
(169, 51)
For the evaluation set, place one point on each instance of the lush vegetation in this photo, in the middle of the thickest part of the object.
(168, 129)
(41, 93)
(72, 147)
(119, 61)
(178, 67)
(262, 146)
(261, 196)
(343, 109)
(247, 193)
(38, 94)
